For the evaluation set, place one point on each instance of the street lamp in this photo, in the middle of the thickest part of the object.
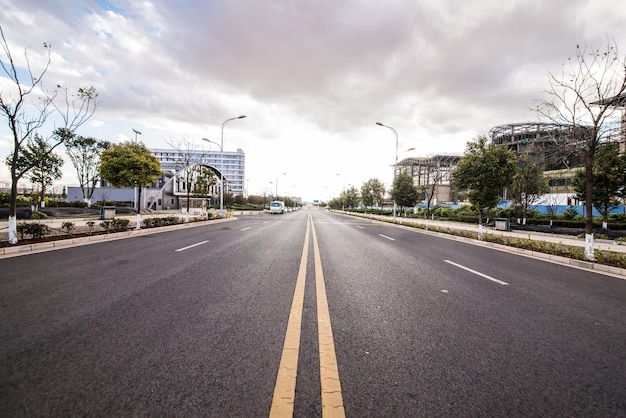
(396, 165)
(136, 133)
(343, 194)
(222, 162)
(276, 184)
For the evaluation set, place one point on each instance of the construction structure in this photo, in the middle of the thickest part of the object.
(432, 176)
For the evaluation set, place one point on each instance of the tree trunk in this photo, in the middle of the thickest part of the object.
(13, 209)
(138, 226)
(589, 245)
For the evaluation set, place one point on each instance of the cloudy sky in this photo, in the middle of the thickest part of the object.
(312, 77)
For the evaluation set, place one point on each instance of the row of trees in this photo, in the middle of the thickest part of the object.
(27, 105)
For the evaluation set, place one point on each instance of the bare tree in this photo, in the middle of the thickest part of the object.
(85, 156)
(586, 96)
(188, 160)
(27, 107)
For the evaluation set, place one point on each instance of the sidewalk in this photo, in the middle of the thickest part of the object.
(604, 245)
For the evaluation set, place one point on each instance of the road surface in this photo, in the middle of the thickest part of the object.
(306, 314)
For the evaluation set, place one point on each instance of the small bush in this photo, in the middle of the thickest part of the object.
(38, 215)
(157, 222)
(115, 225)
(35, 230)
(68, 227)
(90, 225)
(119, 224)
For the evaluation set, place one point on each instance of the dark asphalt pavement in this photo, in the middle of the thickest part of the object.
(192, 323)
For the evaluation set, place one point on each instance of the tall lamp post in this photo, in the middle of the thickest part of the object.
(395, 167)
(276, 184)
(343, 194)
(136, 133)
(222, 162)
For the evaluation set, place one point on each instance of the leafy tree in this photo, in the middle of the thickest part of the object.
(129, 165)
(485, 170)
(404, 192)
(26, 105)
(350, 198)
(46, 165)
(42, 165)
(607, 179)
(372, 192)
(528, 186)
(587, 95)
(84, 154)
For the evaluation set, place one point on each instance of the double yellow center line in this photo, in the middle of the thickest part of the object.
(285, 389)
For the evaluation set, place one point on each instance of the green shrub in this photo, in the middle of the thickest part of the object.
(106, 225)
(611, 258)
(90, 225)
(115, 225)
(38, 215)
(35, 230)
(68, 227)
(165, 221)
(119, 224)
(570, 213)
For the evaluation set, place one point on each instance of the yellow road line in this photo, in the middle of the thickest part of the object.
(285, 389)
(332, 399)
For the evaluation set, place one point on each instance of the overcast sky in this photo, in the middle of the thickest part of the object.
(312, 77)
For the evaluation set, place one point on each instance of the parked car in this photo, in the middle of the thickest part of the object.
(277, 207)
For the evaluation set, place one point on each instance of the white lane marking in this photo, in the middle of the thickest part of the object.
(191, 246)
(359, 226)
(385, 236)
(245, 229)
(477, 273)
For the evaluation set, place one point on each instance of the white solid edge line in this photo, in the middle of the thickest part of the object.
(477, 273)
(191, 246)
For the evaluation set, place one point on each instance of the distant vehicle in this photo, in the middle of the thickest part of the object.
(277, 207)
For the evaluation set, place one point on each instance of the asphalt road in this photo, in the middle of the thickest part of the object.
(378, 320)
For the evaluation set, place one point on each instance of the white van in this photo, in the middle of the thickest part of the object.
(277, 207)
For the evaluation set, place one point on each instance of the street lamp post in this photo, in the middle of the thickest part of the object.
(222, 162)
(343, 194)
(395, 167)
(136, 133)
(277, 184)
